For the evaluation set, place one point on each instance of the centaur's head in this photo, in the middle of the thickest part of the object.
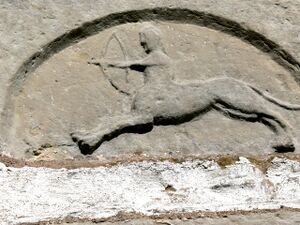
(150, 38)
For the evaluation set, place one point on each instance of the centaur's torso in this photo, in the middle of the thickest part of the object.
(162, 96)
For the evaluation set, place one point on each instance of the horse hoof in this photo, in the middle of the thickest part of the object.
(85, 148)
(285, 148)
(87, 144)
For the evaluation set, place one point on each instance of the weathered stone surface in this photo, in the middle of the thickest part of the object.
(222, 78)
(68, 83)
(39, 116)
(282, 218)
(151, 188)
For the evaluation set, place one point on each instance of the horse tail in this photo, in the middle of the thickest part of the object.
(283, 104)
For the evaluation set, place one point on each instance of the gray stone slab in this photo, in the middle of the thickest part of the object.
(218, 51)
(126, 81)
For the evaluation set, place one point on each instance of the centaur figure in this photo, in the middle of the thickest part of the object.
(161, 101)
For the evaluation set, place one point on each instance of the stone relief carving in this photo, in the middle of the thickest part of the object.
(159, 88)
(163, 102)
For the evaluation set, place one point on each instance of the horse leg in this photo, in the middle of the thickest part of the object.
(238, 96)
(112, 127)
(284, 140)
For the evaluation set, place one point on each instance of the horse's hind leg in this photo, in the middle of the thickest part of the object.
(284, 140)
(110, 128)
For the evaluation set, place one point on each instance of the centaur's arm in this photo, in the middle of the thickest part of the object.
(147, 61)
(150, 60)
(139, 65)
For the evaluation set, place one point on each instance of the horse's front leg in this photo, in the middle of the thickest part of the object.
(112, 127)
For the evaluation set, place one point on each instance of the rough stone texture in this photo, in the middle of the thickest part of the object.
(151, 188)
(42, 118)
(66, 83)
(48, 91)
(280, 218)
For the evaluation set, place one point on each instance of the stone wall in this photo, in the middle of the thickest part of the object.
(215, 135)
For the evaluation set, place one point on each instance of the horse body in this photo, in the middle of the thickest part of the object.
(168, 103)
(163, 102)
(171, 99)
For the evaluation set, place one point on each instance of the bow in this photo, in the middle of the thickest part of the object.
(113, 84)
